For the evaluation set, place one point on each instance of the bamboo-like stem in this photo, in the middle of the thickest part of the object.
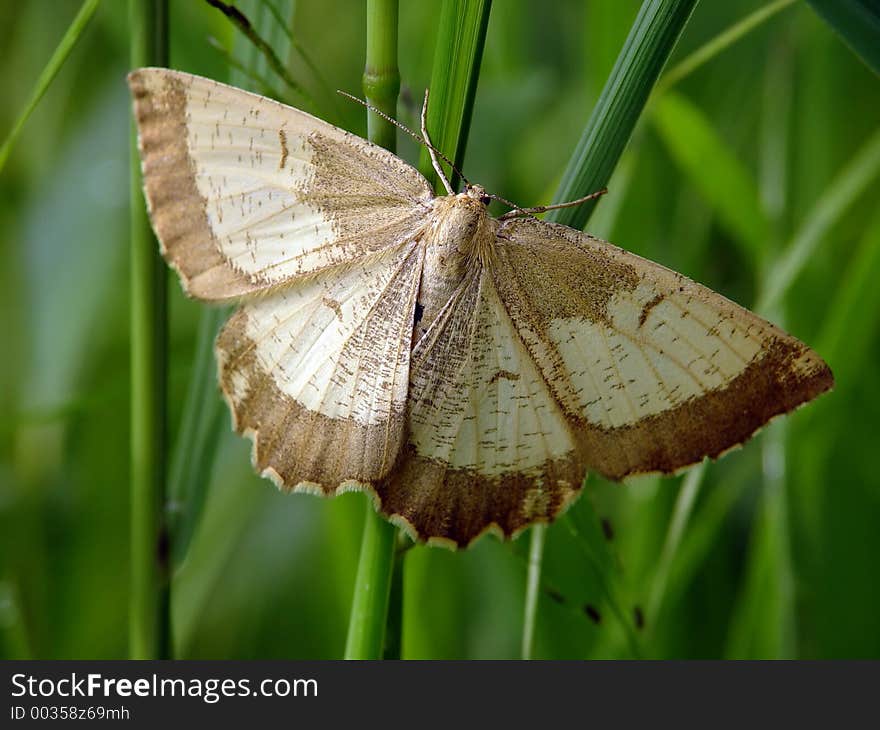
(372, 587)
(149, 618)
(369, 610)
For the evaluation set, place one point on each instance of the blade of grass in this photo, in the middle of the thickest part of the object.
(460, 40)
(845, 341)
(594, 549)
(254, 80)
(149, 619)
(70, 39)
(284, 26)
(196, 443)
(244, 25)
(715, 170)
(763, 618)
(719, 43)
(650, 42)
(681, 513)
(854, 313)
(842, 192)
(369, 610)
(857, 22)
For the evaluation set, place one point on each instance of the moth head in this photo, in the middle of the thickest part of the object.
(478, 192)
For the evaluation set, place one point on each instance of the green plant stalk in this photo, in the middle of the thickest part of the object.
(149, 618)
(381, 79)
(196, 443)
(649, 44)
(461, 37)
(533, 589)
(369, 609)
(73, 34)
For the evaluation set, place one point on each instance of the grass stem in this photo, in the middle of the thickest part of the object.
(149, 617)
(73, 34)
(533, 589)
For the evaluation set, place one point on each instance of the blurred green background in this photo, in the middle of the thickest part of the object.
(772, 144)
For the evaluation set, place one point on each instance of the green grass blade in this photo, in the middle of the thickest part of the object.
(70, 39)
(196, 444)
(588, 536)
(763, 617)
(264, 47)
(372, 588)
(857, 22)
(719, 43)
(715, 170)
(149, 619)
(854, 313)
(681, 514)
(460, 40)
(849, 184)
(369, 610)
(648, 46)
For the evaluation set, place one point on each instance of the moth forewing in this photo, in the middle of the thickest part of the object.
(247, 194)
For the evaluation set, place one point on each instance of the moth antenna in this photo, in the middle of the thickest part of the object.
(438, 168)
(509, 204)
(426, 141)
(518, 212)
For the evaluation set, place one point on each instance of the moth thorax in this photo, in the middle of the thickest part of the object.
(459, 233)
(462, 227)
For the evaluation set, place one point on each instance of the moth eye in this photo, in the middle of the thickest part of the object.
(485, 199)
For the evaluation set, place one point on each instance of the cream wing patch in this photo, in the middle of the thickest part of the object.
(655, 351)
(477, 400)
(334, 351)
(653, 371)
(246, 193)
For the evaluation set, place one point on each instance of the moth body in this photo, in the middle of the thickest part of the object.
(458, 242)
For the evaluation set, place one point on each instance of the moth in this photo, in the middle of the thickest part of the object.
(464, 370)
